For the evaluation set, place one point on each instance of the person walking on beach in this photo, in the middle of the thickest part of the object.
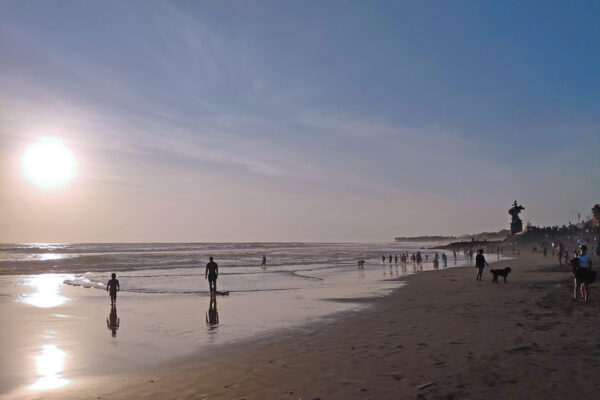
(445, 260)
(582, 273)
(396, 259)
(383, 259)
(560, 253)
(264, 262)
(480, 263)
(419, 258)
(113, 287)
(436, 261)
(212, 272)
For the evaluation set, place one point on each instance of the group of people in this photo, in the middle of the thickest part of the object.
(582, 269)
(581, 264)
(416, 258)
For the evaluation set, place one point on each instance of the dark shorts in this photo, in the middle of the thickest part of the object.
(581, 274)
(113, 294)
(212, 278)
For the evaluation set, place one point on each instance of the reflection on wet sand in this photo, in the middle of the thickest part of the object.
(47, 293)
(212, 315)
(49, 365)
(113, 321)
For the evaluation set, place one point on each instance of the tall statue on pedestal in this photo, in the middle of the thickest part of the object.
(516, 225)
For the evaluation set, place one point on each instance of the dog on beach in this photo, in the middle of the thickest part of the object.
(361, 263)
(500, 272)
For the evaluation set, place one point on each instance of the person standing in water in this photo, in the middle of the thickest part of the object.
(445, 260)
(480, 263)
(212, 272)
(264, 262)
(113, 287)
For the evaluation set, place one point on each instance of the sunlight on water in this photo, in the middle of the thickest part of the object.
(49, 365)
(47, 293)
(49, 256)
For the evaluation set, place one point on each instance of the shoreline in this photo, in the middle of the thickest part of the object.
(472, 339)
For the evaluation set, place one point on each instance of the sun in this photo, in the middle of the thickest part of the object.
(48, 162)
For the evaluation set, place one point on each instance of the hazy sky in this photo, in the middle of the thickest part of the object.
(308, 121)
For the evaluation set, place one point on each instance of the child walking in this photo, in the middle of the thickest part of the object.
(113, 287)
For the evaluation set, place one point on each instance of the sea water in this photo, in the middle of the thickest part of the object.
(59, 325)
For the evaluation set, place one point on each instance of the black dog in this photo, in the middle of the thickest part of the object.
(502, 272)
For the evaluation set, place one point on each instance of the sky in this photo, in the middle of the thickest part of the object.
(298, 121)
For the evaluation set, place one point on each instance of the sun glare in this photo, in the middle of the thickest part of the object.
(49, 366)
(49, 163)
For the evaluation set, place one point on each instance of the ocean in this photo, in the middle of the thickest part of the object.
(60, 315)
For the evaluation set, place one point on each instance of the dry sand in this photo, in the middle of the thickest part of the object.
(473, 340)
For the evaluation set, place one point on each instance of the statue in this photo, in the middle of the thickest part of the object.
(516, 224)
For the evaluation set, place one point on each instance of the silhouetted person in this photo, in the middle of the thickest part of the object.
(113, 287)
(212, 272)
(112, 322)
(264, 262)
(560, 253)
(390, 258)
(396, 259)
(582, 273)
(480, 263)
(383, 259)
(212, 315)
(445, 260)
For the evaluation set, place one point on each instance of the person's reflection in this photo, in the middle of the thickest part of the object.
(212, 315)
(112, 322)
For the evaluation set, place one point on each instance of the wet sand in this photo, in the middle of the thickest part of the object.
(469, 339)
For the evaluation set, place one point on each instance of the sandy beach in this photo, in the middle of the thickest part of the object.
(444, 330)
(232, 200)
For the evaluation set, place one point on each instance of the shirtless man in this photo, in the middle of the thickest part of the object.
(211, 273)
